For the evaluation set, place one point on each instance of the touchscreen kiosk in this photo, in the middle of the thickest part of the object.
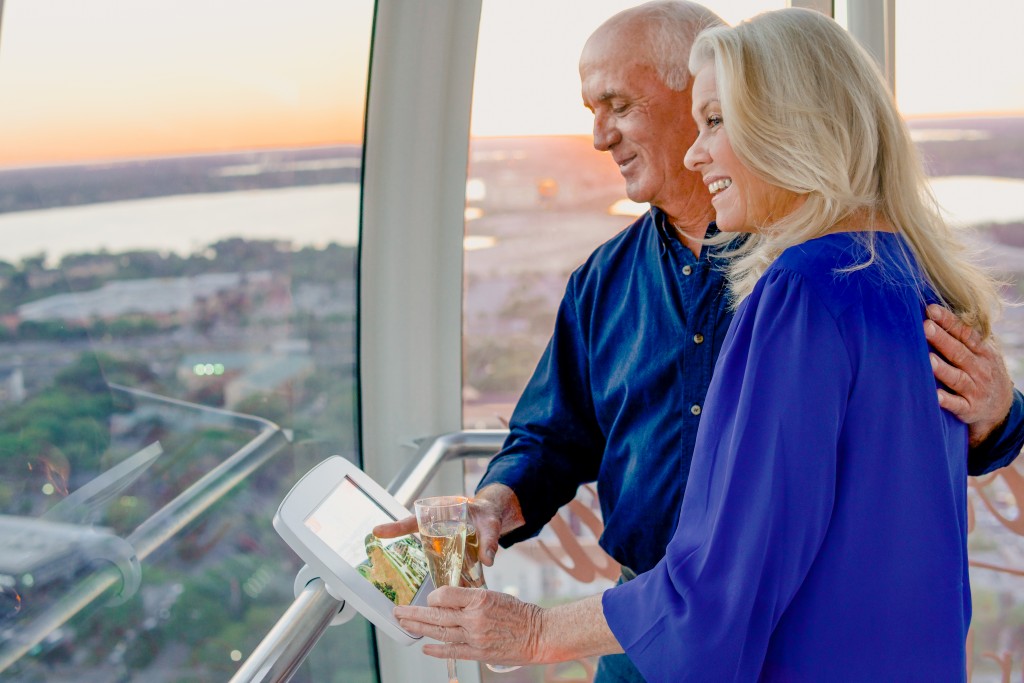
(327, 519)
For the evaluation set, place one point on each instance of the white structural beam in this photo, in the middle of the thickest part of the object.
(873, 23)
(416, 148)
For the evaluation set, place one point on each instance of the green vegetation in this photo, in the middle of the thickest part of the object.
(388, 590)
(59, 432)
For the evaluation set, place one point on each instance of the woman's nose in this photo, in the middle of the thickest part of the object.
(696, 156)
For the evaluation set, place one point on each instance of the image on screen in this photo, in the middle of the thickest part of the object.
(396, 566)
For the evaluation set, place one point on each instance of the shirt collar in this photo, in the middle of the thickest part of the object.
(667, 231)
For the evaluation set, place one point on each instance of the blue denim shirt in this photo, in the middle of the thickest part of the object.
(617, 395)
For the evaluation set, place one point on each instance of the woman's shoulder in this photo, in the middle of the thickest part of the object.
(842, 249)
(846, 267)
(869, 254)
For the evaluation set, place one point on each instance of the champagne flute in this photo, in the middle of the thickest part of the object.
(473, 577)
(443, 522)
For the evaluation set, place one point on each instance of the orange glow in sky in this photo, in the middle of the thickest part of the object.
(96, 79)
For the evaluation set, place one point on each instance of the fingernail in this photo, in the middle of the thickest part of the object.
(929, 328)
(934, 361)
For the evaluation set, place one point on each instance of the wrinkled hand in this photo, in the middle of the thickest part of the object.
(484, 514)
(472, 623)
(974, 371)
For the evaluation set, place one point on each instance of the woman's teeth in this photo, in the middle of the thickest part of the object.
(719, 185)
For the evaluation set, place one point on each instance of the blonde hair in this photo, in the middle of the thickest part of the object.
(808, 110)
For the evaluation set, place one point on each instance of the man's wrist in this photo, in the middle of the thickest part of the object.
(991, 433)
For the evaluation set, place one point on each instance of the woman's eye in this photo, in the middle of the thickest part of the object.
(713, 120)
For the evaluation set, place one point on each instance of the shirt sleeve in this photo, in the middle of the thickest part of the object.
(759, 496)
(1002, 445)
(554, 443)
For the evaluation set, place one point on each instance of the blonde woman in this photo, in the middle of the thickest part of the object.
(823, 532)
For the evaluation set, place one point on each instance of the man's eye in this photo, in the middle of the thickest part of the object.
(619, 108)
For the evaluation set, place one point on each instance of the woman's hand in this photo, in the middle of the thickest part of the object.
(477, 624)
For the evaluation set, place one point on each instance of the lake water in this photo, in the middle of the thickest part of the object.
(185, 224)
(971, 200)
(326, 213)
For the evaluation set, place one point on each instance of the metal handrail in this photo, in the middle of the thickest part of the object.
(285, 647)
(158, 528)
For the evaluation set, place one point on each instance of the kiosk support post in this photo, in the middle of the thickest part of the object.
(289, 642)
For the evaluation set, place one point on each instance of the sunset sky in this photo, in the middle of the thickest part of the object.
(94, 79)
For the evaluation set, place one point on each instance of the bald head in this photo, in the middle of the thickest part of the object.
(659, 33)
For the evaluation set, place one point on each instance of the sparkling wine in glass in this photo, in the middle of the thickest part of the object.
(443, 522)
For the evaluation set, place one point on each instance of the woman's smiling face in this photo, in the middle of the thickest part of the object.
(743, 202)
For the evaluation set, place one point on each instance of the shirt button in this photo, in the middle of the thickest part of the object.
(695, 409)
(698, 338)
(687, 270)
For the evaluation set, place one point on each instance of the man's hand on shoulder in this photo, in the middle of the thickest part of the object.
(980, 389)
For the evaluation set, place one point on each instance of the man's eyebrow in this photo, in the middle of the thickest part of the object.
(603, 98)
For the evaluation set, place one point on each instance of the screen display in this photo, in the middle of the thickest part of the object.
(343, 520)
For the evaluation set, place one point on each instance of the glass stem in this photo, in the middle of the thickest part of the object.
(452, 676)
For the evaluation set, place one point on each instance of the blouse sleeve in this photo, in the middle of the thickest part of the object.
(1003, 445)
(759, 496)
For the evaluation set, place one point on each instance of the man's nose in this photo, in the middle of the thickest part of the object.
(605, 133)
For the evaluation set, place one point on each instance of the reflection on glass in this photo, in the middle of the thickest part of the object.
(177, 306)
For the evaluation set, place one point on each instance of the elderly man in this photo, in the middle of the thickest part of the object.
(618, 394)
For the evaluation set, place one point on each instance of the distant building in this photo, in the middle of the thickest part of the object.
(240, 375)
(167, 300)
(99, 265)
(12, 385)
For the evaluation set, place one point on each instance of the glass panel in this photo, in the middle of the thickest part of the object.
(968, 121)
(179, 200)
(540, 198)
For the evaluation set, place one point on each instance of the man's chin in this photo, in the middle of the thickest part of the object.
(637, 196)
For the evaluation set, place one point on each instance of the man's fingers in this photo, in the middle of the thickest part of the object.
(954, 378)
(951, 348)
(954, 404)
(488, 529)
(948, 322)
(487, 537)
(393, 529)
